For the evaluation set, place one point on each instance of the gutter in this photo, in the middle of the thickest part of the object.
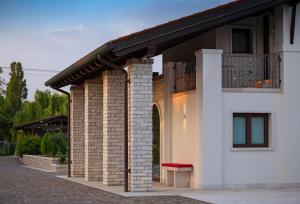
(75, 67)
(120, 47)
(68, 131)
(126, 81)
(119, 50)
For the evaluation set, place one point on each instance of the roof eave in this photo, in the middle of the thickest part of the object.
(77, 66)
(136, 44)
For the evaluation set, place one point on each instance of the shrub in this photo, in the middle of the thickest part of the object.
(28, 145)
(60, 141)
(54, 144)
(46, 144)
(62, 158)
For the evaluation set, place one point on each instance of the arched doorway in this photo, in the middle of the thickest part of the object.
(156, 144)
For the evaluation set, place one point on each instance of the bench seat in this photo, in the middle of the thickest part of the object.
(177, 174)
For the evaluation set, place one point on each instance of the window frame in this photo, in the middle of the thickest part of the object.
(250, 40)
(248, 117)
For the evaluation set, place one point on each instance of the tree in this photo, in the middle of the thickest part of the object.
(30, 111)
(2, 83)
(5, 120)
(16, 91)
(44, 105)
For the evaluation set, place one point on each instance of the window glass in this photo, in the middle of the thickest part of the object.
(241, 41)
(257, 130)
(239, 130)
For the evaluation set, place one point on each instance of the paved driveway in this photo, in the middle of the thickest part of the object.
(251, 196)
(28, 186)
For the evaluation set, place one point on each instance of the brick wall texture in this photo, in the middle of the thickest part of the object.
(113, 127)
(158, 88)
(93, 128)
(97, 127)
(77, 131)
(140, 125)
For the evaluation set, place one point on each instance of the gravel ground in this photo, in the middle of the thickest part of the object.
(28, 186)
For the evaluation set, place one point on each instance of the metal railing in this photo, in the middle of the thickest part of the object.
(185, 76)
(250, 71)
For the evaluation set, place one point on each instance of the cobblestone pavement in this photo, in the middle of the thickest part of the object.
(27, 186)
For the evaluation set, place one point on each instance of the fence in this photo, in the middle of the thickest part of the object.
(4, 148)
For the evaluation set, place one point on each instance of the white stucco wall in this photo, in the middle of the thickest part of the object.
(196, 130)
(278, 165)
(185, 148)
(256, 166)
(185, 51)
(291, 99)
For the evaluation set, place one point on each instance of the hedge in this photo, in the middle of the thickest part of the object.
(28, 145)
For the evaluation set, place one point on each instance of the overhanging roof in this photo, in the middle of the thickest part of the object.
(44, 121)
(153, 41)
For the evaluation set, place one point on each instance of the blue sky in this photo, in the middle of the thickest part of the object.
(52, 34)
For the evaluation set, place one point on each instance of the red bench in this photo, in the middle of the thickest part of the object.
(177, 174)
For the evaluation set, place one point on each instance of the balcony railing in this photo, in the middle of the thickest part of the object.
(251, 71)
(238, 71)
(185, 76)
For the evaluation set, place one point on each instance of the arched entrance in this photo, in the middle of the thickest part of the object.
(156, 144)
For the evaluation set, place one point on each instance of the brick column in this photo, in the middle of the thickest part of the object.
(140, 124)
(113, 127)
(93, 129)
(77, 131)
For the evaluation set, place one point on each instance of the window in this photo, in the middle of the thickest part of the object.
(241, 40)
(250, 130)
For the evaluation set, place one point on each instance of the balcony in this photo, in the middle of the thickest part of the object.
(185, 76)
(250, 71)
(238, 71)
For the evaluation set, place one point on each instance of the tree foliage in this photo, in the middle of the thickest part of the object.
(15, 94)
(54, 143)
(16, 91)
(4, 123)
(28, 145)
(44, 105)
(5, 120)
(2, 83)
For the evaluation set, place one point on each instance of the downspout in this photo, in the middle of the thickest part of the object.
(68, 131)
(126, 81)
(126, 169)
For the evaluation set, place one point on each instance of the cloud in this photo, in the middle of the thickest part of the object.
(67, 35)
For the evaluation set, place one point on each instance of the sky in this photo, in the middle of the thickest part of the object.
(53, 34)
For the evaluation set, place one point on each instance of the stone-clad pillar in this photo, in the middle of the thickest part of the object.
(113, 127)
(77, 131)
(93, 129)
(140, 124)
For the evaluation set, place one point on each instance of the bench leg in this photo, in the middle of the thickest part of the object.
(170, 178)
(181, 179)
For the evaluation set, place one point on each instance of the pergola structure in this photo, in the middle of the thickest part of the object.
(40, 127)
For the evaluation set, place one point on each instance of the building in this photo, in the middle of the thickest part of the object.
(228, 100)
(39, 127)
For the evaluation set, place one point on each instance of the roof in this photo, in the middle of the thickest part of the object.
(153, 41)
(43, 121)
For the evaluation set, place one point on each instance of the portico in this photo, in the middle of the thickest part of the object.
(97, 127)
(228, 81)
